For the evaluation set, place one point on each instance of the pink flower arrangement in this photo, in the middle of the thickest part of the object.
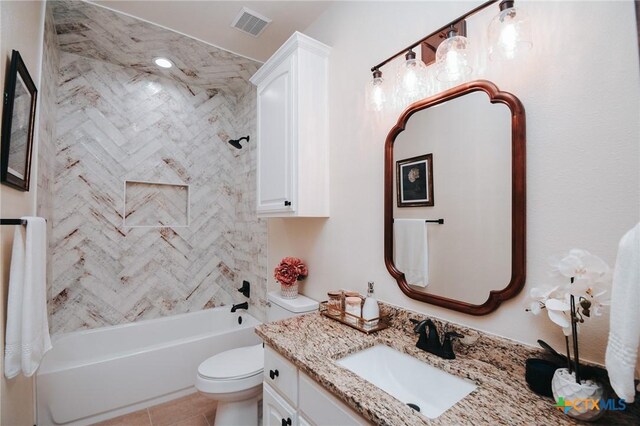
(290, 270)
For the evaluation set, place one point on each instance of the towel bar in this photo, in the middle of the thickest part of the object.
(12, 222)
(439, 221)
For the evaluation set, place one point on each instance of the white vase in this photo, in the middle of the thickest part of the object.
(582, 394)
(289, 292)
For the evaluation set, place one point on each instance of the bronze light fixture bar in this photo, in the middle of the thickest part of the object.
(459, 24)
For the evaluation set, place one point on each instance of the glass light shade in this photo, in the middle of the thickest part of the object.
(509, 34)
(376, 94)
(412, 82)
(453, 59)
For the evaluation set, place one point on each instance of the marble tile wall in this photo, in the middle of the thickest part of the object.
(47, 129)
(251, 233)
(95, 32)
(118, 123)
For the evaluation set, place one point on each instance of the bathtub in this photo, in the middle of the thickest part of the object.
(94, 375)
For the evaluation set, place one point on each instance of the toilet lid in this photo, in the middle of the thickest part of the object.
(234, 364)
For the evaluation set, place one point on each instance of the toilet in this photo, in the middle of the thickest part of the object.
(234, 377)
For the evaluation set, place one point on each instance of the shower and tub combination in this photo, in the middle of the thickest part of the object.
(119, 120)
(94, 375)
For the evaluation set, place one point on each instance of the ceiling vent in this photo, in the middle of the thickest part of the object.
(250, 22)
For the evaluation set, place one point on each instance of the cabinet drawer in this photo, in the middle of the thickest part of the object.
(281, 375)
(320, 408)
(275, 410)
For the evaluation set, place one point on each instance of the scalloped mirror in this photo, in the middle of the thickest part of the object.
(455, 198)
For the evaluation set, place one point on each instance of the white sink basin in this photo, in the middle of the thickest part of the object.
(408, 379)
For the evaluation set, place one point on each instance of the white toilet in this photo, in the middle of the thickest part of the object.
(234, 377)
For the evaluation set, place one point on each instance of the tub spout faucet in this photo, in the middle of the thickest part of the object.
(243, 305)
(428, 339)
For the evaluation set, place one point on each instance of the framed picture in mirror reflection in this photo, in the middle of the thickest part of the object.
(414, 180)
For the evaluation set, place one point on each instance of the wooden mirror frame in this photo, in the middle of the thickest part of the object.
(518, 198)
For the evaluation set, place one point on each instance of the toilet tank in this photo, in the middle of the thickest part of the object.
(281, 308)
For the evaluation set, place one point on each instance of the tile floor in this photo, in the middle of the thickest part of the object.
(190, 410)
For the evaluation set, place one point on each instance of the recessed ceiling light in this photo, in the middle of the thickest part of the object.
(163, 62)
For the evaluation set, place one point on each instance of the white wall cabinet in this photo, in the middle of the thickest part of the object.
(303, 401)
(293, 142)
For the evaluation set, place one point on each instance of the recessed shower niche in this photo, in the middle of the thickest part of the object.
(155, 204)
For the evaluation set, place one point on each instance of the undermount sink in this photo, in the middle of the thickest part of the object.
(408, 379)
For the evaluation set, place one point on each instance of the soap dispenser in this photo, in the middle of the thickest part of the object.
(370, 310)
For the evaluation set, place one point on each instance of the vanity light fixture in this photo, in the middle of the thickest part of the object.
(375, 94)
(452, 58)
(509, 36)
(509, 32)
(163, 62)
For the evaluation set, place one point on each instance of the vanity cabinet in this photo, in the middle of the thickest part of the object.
(275, 410)
(302, 400)
(293, 145)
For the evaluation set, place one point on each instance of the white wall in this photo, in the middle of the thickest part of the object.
(580, 88)
(22, 25)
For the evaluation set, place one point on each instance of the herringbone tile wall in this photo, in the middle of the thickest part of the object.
(251, 233)
(117, 123)
(99, 33)
(47, 129)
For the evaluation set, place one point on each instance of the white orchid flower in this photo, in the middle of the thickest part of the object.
(580, 264)
(583, 276)
(540, 296)
(557, 310)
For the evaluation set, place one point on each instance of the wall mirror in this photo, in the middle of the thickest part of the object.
(461, 156)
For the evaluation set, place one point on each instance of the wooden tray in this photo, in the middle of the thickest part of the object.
(353, 321)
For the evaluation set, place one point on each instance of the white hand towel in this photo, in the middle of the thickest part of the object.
(27, 335)
(624, 329)
(412, 250)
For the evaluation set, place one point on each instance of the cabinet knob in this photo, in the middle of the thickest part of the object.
(286, 422)
(287, 203)
(273, 374)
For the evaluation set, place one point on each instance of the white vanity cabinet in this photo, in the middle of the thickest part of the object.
(292, 140)
(292, 398)
(275, 410)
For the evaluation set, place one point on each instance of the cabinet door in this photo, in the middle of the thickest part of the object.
(275, 411)
(281, 375)
(319, 407)
(276, 166)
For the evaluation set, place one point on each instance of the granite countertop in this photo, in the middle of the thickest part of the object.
(313, 343)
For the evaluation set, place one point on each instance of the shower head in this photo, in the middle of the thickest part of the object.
(236, 142)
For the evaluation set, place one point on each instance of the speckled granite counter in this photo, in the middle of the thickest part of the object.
(313, 342)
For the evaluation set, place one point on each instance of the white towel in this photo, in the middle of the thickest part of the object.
(27, 336)
(624, 329)
(412, 250)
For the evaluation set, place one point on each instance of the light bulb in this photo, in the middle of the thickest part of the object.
(412, 81)
(375, 93)
(509, 33)
(163, 62)
(453, 58)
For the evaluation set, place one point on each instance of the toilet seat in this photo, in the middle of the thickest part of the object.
(233, 364)
(235, 370)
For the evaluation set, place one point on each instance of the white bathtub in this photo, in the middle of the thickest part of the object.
(94, 375)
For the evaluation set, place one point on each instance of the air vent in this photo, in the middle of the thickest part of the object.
(250, 22)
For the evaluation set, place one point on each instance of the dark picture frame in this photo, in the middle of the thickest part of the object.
(18, 123)
(414, 181)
